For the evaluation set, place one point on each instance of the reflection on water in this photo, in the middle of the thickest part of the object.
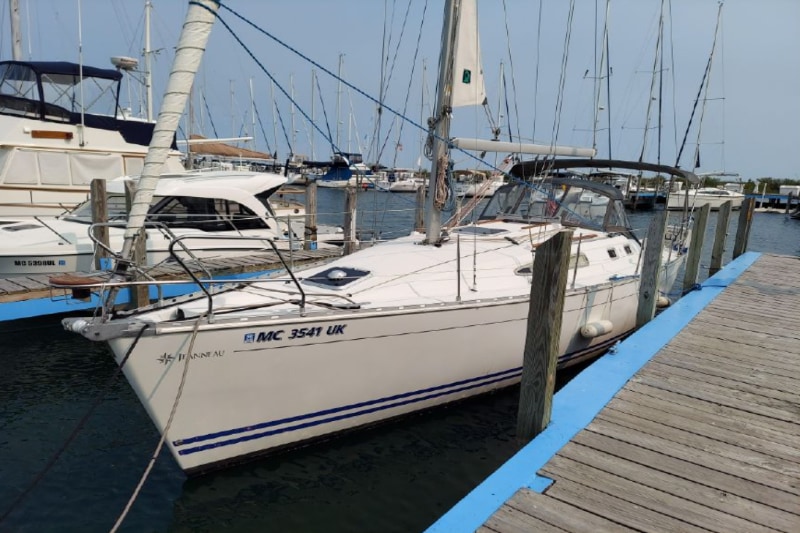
(398, 477)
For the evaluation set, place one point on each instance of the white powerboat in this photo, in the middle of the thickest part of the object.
(478, 184)
(199, 204)
(51, 149)
(398, 181)
(696, 198)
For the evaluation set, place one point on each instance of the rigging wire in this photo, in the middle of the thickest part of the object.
(536, 76)
(344, 82)
(703, 84)
(513, 78)
(411, 76)
(164, 433)
(263, 132)
(272, 78)
(329, 137)
(208, 112)
(563, 78)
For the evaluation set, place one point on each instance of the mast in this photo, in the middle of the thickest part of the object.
(274, 116)
(148, 71)
(16, 34)
(252, 114)
(191, 46)
(339, 102)
(441, 130)
(313, 111)
(292, 110)
(82, 125)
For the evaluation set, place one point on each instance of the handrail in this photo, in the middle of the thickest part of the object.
(191, 274)
(148, 224)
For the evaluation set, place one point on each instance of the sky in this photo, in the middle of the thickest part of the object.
(746, 120)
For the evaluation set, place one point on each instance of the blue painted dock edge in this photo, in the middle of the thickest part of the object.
(572, 409)
(37, 307)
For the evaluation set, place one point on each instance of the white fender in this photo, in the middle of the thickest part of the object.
(595, 329)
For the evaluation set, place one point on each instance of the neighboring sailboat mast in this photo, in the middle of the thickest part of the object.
(16, 34)
(148, 58)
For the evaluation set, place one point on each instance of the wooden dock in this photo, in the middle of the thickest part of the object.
(703, 436)
(32, 296)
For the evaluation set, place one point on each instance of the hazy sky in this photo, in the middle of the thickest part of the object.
(750, 121)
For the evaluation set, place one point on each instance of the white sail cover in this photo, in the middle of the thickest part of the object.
(199, 19)
(468, 85)
(482, 145)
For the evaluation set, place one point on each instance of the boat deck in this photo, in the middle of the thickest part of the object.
(32, 296)
(704, 437)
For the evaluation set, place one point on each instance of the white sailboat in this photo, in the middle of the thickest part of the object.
(388, 330)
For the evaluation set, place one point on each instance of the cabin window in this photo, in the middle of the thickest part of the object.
(582, 260)
(206, 214)
(239, 215)
(612, 253)
(479, 230)
(628, 249)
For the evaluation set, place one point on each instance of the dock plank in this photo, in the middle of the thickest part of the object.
(738, 422)
(510, 520)
(721, 496)
(741, 352)
(707, 426)
(648, 455)
(757, 366)
(713, 393)
(781, 470)
(692, 457)
(629, 515)
(560, 514)
(639, 494)
(779, 390)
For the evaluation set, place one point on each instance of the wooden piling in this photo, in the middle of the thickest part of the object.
(743, 231)
(419, 213)
(310, 233)
(548, 286)
(99, 216)
(651, 264)
(350, 215)
(140, 294)
(719, 239)
(695, 247)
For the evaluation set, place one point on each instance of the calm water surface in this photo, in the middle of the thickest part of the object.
(398, 477)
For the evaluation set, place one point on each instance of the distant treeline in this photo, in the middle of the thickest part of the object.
(773, 185)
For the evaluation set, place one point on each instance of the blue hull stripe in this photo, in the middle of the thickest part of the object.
(405, 399)
(345, 416)
(502, 375)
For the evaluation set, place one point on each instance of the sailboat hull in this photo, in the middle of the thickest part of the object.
(269, 384)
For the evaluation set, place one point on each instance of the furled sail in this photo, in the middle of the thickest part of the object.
(196, 29)
(468, 85)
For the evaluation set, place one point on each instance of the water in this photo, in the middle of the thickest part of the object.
(399, 477)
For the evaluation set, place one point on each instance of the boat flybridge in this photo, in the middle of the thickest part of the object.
(52, 144)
